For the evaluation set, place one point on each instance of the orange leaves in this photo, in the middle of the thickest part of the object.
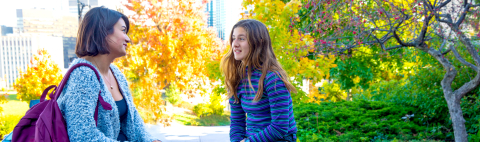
(41, 73)
(169, 44)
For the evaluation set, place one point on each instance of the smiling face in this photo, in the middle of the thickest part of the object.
(240, 44)
(117, 41)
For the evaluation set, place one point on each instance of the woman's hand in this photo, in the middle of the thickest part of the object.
(157, 141)
(243, 140)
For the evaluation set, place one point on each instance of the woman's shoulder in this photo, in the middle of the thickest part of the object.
(82, 75)
(272, 74)
(82, 71)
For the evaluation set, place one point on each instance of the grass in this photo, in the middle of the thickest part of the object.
(13, 111)
(14, 107)
(184, 118)
(211, 120)
(13, 97)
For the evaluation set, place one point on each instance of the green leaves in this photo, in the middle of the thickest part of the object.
(347, 121)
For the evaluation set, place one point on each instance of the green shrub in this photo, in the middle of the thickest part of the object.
(13, 111)
(201, 109)
(173, 94)
(7, 123)
(359, 121)
(212, 107)
(423, 91)
(215, 104)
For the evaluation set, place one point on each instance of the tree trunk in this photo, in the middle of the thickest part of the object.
(456, 114)
(348, 95)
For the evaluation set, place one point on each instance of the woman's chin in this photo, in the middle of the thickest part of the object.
(238, 58)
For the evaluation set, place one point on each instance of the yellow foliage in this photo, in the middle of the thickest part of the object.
(327, 92)
(41, 73)
(290, 45)
(169, 44)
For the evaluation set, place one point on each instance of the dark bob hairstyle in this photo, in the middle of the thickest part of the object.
(93, 31)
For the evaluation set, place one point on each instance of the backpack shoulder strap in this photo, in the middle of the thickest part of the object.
(62, 84)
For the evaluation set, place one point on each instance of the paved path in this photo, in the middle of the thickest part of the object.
(190, 133)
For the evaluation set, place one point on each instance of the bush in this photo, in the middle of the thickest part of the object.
(201, 109)
(13, 111)
(359, 121)
(213, 107)
(7, 123)
(42, 73)
(173, 94)
(423, 91)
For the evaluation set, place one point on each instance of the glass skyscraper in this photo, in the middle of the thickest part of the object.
(217, 16)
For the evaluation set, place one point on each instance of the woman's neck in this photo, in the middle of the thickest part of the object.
(102, 62)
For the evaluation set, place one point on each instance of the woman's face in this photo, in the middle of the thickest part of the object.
(240, 45)
(117, 41)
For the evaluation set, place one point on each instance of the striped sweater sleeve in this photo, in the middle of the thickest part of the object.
(238, 124)
(278, 98)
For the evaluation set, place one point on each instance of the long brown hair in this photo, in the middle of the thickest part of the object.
(260, 57)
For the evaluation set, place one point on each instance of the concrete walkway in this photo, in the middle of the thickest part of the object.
(190, 133)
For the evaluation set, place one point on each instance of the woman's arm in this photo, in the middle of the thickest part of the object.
(279, 100)
(80, 100)
(238, 123)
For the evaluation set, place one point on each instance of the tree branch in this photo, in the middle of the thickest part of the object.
(461, 59)
(462, 16)
(451, 72)
(469, 45)
(443, 4)
(379, 42)
(467, 87)
(394, 47)
(448, 16)
(445, 52)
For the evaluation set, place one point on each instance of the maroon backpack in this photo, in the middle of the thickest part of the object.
(44, 121)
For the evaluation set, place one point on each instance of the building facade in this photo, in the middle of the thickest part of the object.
(73, 6)
(50, 23)
(4, 30)
(216, 17)
(16, 51)
(69, 50)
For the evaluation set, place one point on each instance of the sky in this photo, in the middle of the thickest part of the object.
(8, 14)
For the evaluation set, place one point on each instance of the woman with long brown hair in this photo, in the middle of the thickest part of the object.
(258, 87)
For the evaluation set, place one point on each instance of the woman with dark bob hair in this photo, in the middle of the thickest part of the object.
(102, 37)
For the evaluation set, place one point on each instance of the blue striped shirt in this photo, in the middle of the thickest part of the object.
(269, 119)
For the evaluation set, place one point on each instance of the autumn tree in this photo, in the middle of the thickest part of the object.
(41, 73)
(170, 43)
(293, 49)
(441, 28)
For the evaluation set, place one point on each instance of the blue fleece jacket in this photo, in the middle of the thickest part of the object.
(79, 99)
